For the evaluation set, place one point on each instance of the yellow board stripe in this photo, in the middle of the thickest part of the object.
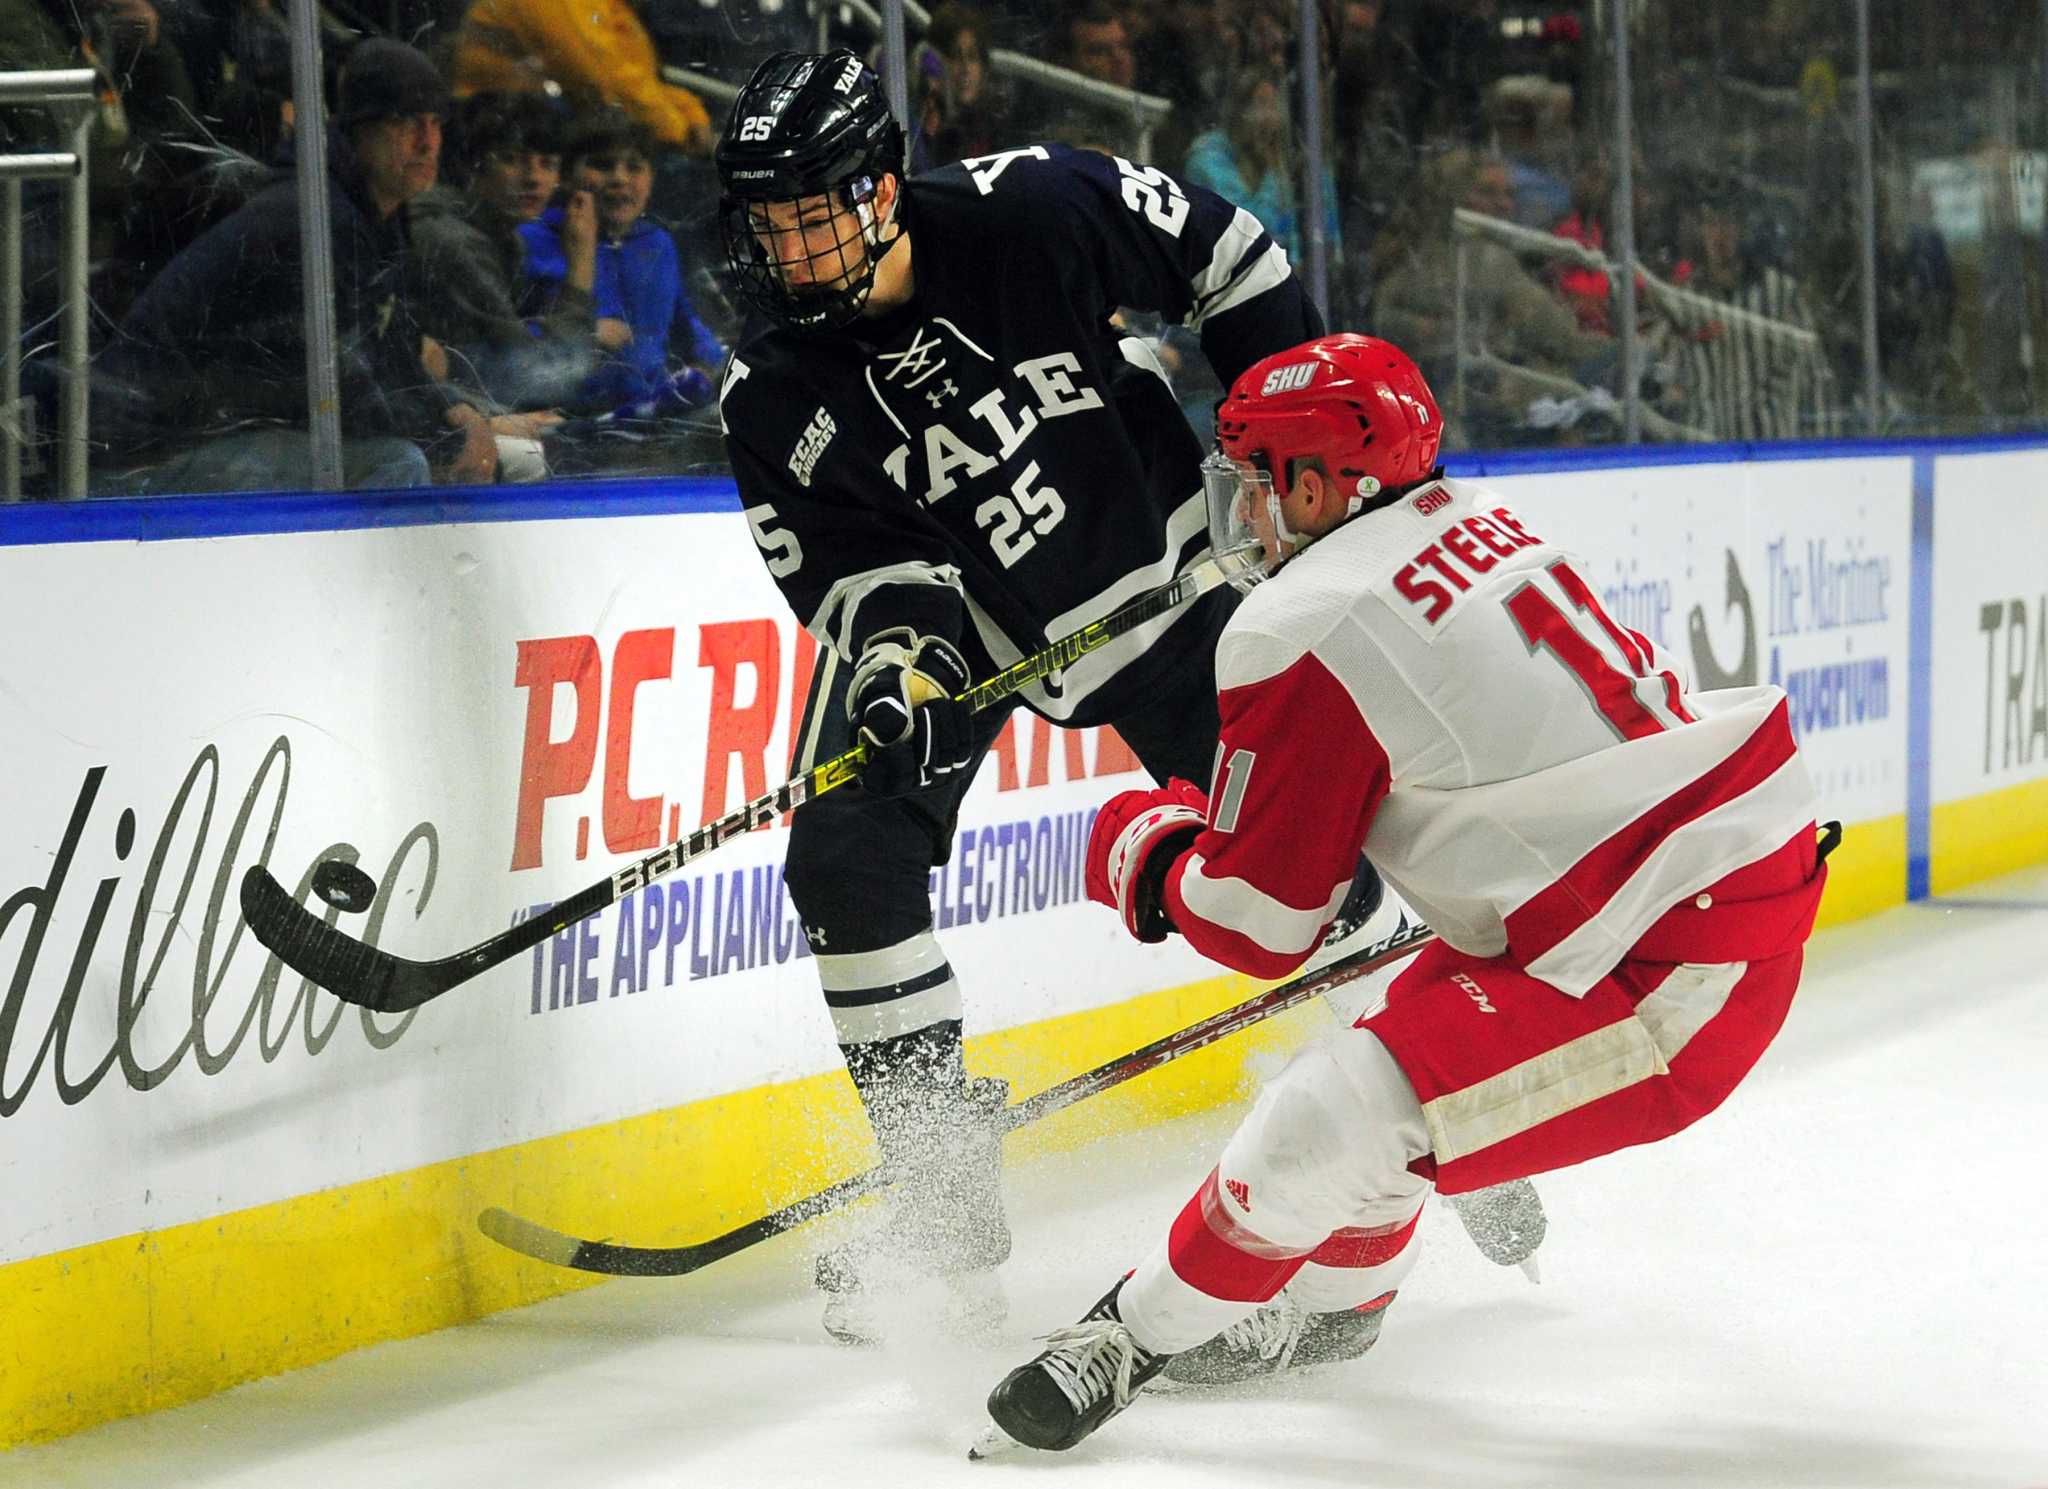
(1984, 836)
(164, 1317)
(1867, 873)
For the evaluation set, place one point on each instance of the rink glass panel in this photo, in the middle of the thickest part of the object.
(1455, 145)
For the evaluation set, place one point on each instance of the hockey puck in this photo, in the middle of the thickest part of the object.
(344, 886)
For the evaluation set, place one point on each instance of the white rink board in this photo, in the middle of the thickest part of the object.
(1990, 723)
(1786, 572)
(387, 664)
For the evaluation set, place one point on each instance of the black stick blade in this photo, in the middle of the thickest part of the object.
(613, 1259)
(352, 970)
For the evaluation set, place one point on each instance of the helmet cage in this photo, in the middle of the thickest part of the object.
(810, 266)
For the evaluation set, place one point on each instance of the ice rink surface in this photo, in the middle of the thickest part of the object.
(1840, 1279)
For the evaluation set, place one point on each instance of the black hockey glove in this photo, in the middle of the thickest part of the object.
(902, 703)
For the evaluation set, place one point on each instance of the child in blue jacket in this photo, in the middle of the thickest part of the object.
(656, 351)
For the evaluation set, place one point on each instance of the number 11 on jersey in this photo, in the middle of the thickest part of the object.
(1573, 638)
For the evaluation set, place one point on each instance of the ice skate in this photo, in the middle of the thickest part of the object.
(1281, 1335)
(1090, 1371)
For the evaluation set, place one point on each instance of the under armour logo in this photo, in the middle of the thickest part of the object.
(915, 362)
(941, 393)
(1241, 1192)
(815, 934)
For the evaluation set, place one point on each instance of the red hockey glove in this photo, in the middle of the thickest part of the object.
(1138, 836)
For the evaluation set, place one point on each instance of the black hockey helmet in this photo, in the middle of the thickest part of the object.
(807, 125)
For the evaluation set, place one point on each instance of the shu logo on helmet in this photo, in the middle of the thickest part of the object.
(1287, 379)
(849, 77)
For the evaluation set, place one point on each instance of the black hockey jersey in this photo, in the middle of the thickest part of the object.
(994, 462)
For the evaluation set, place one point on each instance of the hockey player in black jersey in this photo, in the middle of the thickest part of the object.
(948, 456)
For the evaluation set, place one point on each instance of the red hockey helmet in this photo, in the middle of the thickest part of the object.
(1357, 403)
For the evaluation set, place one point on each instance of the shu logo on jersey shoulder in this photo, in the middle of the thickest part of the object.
(1241, 1192)
(1474, 991)
(1433, 500)
(803, 460)
(1286, 379)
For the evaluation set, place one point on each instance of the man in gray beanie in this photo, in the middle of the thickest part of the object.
(391, 105)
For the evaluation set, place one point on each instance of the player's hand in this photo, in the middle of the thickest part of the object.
(903, 708)
(1138, 836)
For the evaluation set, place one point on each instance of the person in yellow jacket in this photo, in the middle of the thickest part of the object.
(597, 51)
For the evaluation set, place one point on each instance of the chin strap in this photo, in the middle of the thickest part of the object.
(1297, 541)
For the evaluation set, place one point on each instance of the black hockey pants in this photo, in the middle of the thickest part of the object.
(858, 872)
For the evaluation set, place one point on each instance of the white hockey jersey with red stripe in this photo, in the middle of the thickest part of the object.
(1437, 684)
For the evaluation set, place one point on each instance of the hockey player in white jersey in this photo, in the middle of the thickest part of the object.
(1622, 873)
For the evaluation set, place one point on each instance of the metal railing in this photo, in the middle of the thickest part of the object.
(1800, 350)
(69, 94)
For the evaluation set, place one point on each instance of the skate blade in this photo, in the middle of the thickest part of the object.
(994, 1443)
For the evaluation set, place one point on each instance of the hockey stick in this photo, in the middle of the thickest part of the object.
(357, 972)
(544, 1244)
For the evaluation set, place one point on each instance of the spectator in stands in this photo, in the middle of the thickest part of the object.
(595, 52)
(1252, 161)
(1098, 45)
(1094, 40)
(1531, 122)
(206, 379)
(1589, 291)
(1744, 371)
(470, 260)
(970, 108)
(1520, 343)
(657, 353)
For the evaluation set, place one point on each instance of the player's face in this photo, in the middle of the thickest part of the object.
(813, 243)
(1261, 515)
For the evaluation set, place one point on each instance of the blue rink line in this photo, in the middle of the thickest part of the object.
(166, 518)
(156, 519)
